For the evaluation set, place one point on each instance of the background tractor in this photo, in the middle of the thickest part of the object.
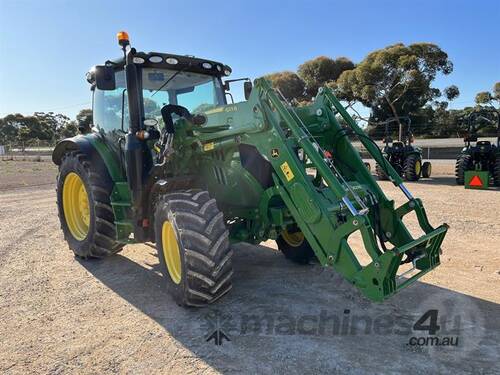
(405, 158)
(168, 161)
(479, 158)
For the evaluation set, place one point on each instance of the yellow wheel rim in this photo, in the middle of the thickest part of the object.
(76, 206)
(171, 252)
(418, 167)
(293, 239)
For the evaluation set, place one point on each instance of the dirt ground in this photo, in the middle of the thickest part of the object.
(62, 315)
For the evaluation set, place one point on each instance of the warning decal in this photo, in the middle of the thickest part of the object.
(476, 182)
(287, 171)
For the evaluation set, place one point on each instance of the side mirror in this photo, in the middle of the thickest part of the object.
(105, 77)
(247, 88)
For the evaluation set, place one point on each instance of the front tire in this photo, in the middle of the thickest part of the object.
(426, 169)
(87, 219)
(193, 247)
(295, 247)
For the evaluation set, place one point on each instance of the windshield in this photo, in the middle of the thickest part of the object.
(197, 92)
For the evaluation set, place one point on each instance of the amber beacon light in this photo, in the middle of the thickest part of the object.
(123, 39)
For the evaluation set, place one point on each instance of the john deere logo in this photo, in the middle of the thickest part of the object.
(275, 152)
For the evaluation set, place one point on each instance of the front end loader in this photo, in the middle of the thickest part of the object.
(169, 161)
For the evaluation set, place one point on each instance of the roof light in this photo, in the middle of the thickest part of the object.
(171, 61)
(227, 72)
(156, 59)
(123, 39)
(206, 65)
(138, 60)
(219, 68)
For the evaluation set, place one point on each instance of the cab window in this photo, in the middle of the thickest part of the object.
(107, 105)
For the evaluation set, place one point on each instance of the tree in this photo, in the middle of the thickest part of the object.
(395, 80)
(451, 92)
(52, 123)
(322, 71)
(486, 97)
(8, 130)
(69, 130)
(84, 119)
(289, 83)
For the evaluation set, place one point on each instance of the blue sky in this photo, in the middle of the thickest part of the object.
(46, 47)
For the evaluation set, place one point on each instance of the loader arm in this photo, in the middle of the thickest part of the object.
(348, 199)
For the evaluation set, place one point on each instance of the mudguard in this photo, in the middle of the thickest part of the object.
(97, 151)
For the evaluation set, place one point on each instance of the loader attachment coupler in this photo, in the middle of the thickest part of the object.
(343, 197)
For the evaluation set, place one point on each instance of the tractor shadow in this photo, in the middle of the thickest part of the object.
(281, 317)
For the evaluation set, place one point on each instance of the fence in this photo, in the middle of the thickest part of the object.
(34, 150)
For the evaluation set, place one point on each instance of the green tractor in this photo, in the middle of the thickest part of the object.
(405, 158)
(168, 161)
(479, 159)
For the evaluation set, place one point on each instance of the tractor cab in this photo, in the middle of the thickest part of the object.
(161, 79)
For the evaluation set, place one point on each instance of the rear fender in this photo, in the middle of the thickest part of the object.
(96, 150)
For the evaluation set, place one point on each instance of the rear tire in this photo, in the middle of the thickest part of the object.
(463, 164)
(426, 169)
(413, 167)
(98, 237)
(195, 257)
(496, 171)
(295, 247)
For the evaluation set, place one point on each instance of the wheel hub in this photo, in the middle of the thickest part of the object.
(76, 206)
(171, 252)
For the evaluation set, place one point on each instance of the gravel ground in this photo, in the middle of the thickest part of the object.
(62, 315)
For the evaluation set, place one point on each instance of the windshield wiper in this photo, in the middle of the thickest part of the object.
(171, 78)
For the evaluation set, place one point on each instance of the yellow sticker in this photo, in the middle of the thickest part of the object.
(208, 146)
(287, 171)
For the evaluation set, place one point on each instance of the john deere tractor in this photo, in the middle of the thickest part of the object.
(168, 161)
(479, 160)
(405, 158)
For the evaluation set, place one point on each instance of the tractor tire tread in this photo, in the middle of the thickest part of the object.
(101, 241)
(204, 242)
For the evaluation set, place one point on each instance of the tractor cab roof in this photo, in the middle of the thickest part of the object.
(170, 61)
